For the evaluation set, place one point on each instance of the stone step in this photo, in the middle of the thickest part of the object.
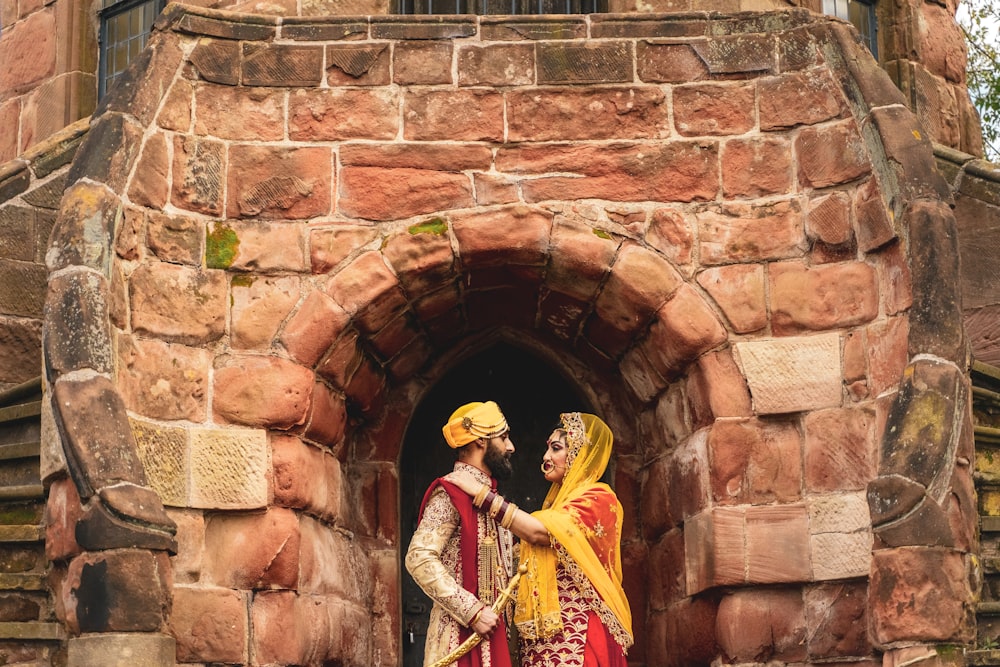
(22, 492)
(23, 582)
(989, 524)
(988, 609)
(32, 630)
(982, 658)
(20, 450)
(10, 534)
(23, 411)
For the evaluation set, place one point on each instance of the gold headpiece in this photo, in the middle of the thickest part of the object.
(576, 434)
(473, 421)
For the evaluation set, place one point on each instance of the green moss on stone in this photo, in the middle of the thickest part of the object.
(243, 280)
(221, 246)
(600, 233)
(434, 226)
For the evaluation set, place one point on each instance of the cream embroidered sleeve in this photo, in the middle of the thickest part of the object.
(425, 559)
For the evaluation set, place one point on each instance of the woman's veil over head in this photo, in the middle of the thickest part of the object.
(589, 442)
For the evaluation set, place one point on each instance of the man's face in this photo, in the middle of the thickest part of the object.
(497, 457)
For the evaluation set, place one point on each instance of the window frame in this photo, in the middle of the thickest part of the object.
(110, 10)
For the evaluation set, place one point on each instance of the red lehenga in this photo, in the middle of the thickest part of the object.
(571, 609)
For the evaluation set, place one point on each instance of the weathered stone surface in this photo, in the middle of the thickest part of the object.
(119, 649)
(313, 328)
(737, 54)
(837, 617)
(874, 223)
(327, 417)
(20, 349)
(127, 516)
(927, 525)
(260, 117)
(187, 562)
(655, 503)
(282, 65)
(177, 303)
(887, 352)
(778, 547)
(369, 291)
(755, 462)
(435, 157)
(163, 381)
(512, 235)
(839, 449)
(828, 219)
(714, 108)
(163, 451)
(430, 115)
(305, 477)
(392, 194)
(259, 308)
(217, 61)
(738, 290)
(818, 298)
(604, 113)
(210, 624)
(665, 571)
(751, 232)
(580, 258)
(357, 64)
(909, 157)
(198, 174)
(422, 63)
(840, 536)
(639, 284)
(333, 564)
(830, 155)
(123, 590)
(62, 512)
(262, 391)
(798, 98)
(669, 63)
(532, 28)
(329, 247)
(176, 238)
(920, 595)
(251, 551)
(608, 62)
(673, 172)
(228, 468)
(151, 186)
(343, 114)
(891, 497)
(672, 233)
(175, 114)
(496, 65)
(280, 182)
(716, 388)
(762, 625)
(714, 549)
(86, 220)
(422, 257)
(756, 167)
(685, 327)
(792, 374)
(77, 309)
(427, 27)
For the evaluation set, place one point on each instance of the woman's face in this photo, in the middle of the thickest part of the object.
(554, 460)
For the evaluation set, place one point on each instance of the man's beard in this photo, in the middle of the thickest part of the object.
(498, 462)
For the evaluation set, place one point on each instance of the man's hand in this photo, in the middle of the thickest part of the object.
(486, 622)
(466, 482)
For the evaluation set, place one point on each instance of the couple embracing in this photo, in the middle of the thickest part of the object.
(570, 609)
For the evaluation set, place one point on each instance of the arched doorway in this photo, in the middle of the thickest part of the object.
(531, 394)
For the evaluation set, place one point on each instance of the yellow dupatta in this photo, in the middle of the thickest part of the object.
(584, 517)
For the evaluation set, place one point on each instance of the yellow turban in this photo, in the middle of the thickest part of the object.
(473, 421)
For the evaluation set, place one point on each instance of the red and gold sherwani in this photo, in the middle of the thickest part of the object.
(462, 560)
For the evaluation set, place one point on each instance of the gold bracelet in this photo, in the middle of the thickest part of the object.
(481, 496)
(508, 517)
(498, 501)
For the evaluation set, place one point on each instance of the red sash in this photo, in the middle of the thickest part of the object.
(469, 550)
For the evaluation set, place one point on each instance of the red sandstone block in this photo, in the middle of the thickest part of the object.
(580, 258)
(259, 309)
(840, 449)
(746, 232)
(150, 186)
(762, 625)
(422, 257)
(755, 461)
(210, 624)
(714, 108)
(685, 327)
(395, 336)
(10, 113)
(305, 477)
(421, 63)
(895, 283)
(198, 174)
(738, 290)
(492, 190)
(672, 233)
(829, 219)
(327, 417)
(496, 65)
(664, 581)
(669, 63)
(453, 115)
(342, 360)
(756, 167)
(369, 291)
(434, 156)
(778, 546)
(818, 298)
(175, 114)
(831, 155)
(62, 511)
(888, 352)
(163, 381)
(261, 113)
(173, 238)
(251, 551)
(140, 579)
(512, 235)
(270, 64)
(366, 387)
(554, 114)
(676, 171)
(328, 247)
(716, 389)
(875, 227)
(269, 247)
(357, 64)
(639, 284)
(656, 519)
(714, 549)
(689, 475)
(287, 183)
(799, 98)
(278, 630)
(263, 392)
(29, 52)
(178, 303)
(394, 194)
(313, 328)
(581, 62)
(343, 113)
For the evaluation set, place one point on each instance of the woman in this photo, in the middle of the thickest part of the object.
(571, 609)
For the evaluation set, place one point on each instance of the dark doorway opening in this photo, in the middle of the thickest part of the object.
(531, 394)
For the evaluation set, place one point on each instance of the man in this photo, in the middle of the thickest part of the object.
(459, 556)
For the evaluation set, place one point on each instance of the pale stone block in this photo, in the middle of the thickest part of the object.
(121, 649)
(839, 513)
(228, 468)
(163, 452)
(187, 563)
(52, 457)
(715, 549)
(841, 555)
(792, 374)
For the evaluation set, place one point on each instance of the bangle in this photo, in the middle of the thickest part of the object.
(480, 496)
(495, 506)
(508, 516)
(491, 496)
